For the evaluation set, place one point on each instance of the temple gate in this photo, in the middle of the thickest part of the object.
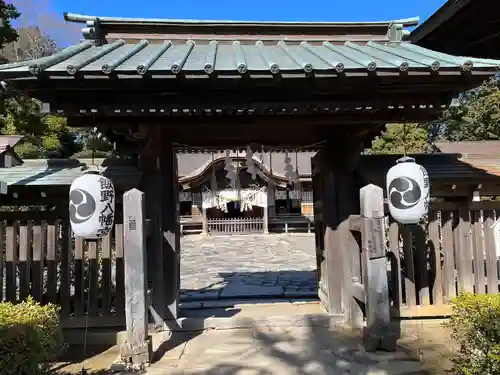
(157, 86)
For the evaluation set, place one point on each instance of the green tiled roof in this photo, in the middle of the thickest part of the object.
(63, 172)
(236, 57)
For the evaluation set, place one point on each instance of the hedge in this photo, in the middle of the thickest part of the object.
(475, 326)
(30, 336)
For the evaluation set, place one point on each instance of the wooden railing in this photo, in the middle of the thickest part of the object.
(236, 225)
(191, 224)
(291, 222)
(453, 252)
(43, 259)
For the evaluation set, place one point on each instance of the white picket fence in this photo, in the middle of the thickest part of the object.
(236, 225)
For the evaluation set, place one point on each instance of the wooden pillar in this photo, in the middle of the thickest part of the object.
(266, 219)
(271, 204)
(158, 164)
(336, 198)
(204, 224)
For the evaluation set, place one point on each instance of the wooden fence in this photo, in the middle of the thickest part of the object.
(453, 253)
(41, 257)
(236, 225)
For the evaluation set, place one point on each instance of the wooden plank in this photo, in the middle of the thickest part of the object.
(449, 288)
(81, 322)
(435, 274)
(409, 269)
(51, 261)
(38, 266)
(395, 259)
(491, 257)
(120, 271)
(464, 251)
(93, 277)
(32, 215)
(421, 271)
(474, 206)
(25, 238)
(444, 206)
(378, 333)
(79, 297)
(137, 348)
(2, 263)
(478, 261)
(11, 261)
(65, 256)
(106, 275)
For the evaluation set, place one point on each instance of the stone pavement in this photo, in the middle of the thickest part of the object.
(243, 266)
(287, 338)
(311, 346)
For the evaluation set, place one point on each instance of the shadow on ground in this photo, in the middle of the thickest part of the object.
(314, 348)
(309, 348)
(95, 359)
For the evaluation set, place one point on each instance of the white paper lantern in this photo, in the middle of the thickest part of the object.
(91, 206)
(408, 191)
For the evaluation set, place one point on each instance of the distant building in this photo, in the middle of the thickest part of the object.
(201, 173)
(8, 157)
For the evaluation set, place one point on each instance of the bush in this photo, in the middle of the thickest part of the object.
(30, 336)
(475, 326)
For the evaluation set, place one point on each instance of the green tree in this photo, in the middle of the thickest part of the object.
(43, 133)
(398, 138)
(8, 34)
(475, 115)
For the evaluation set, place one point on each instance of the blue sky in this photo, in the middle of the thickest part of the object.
(276, 10)
(257, 10)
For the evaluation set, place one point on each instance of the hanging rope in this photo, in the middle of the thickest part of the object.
(404, 139)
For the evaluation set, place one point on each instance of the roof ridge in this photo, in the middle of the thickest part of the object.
(81, 18)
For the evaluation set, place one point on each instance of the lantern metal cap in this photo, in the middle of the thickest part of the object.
(406, 159)
(93, 169)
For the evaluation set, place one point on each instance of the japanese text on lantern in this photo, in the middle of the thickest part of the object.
(106, 216)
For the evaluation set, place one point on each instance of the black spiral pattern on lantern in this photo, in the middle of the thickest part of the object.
(404, 193)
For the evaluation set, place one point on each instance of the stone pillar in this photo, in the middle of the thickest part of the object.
(158, 163)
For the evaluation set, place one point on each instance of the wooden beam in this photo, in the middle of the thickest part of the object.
(224, 122)
(410, 81)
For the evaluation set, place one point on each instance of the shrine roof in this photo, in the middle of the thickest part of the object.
(105, 27)
(463, 27)
(62, 172)
(235, 58)
(128, 21)
(194, 164)
(443, 168)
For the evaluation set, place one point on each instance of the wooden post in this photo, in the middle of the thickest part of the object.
(266, 219)
(137, 350)
(158, 163)
(204, 227)
(271, 204)
(377, 335)
(335, 200)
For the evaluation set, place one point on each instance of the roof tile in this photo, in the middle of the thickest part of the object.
(235, 57)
